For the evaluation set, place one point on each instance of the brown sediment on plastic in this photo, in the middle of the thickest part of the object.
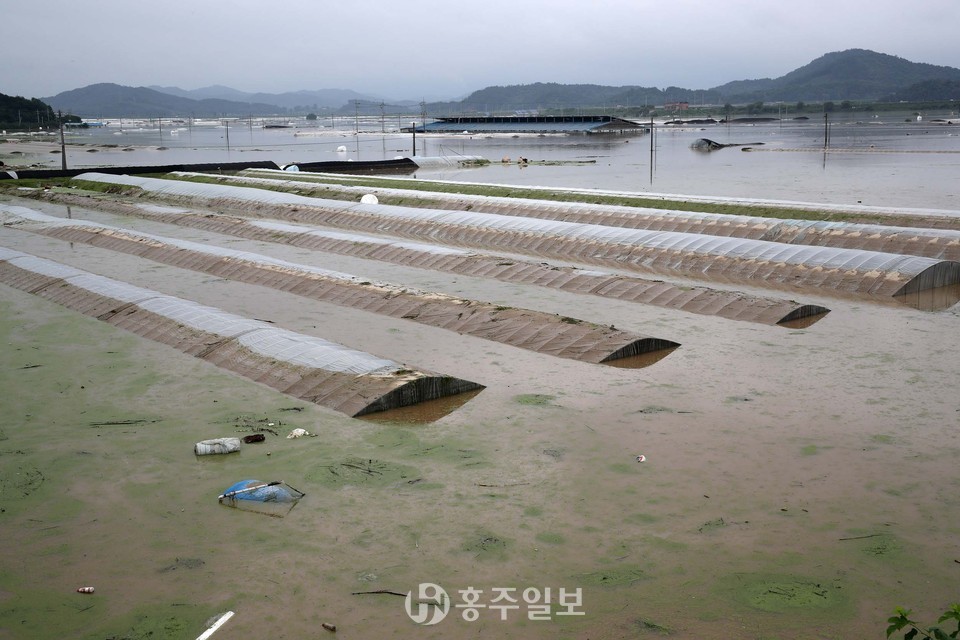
(829, 269)
(931, 243)
(350, 393)
(536, 331)
(783, 269)
(917, 241)
(731, 305)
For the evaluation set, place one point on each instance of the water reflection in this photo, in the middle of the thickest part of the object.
(888, 161)
(641, 360)
(422, 413)
(932, 299)
(804, 322)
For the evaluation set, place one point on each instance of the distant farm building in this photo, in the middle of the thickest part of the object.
(677, 106)
(530, 124)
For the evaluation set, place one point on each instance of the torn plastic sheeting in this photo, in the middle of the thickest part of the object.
(269, 498)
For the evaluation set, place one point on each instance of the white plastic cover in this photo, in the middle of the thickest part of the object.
(685, 244)
(260, 337)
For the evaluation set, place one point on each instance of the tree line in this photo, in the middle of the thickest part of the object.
(28, 114)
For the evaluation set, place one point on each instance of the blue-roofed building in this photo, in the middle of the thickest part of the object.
(530, 124)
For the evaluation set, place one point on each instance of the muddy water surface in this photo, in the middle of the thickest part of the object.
(798, 482)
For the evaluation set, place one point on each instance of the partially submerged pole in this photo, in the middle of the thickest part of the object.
(651, 149)
(63, 145)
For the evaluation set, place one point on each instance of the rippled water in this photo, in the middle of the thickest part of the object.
(798, 482)
(890, 160)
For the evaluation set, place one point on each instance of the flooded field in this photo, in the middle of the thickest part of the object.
(797, 481)
(888, 159)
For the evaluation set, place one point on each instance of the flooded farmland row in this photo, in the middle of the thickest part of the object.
(795, 481)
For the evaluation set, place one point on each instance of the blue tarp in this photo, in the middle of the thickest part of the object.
(271, 498)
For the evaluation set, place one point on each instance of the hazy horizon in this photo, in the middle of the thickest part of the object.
(424, 50)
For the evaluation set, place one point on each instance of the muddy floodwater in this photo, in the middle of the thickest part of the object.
(796, 482)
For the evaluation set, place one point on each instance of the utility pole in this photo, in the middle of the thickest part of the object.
(423, 122)
(826, 130)
(63, 144)
(413, 129)
(652, 147)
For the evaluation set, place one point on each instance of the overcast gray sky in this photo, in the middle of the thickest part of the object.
(422, 49)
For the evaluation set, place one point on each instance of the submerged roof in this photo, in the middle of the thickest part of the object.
(687, 254)
(525, 328)
(529, 124)
(307, 367)
(727, 304)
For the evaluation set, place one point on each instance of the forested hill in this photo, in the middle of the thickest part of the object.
(928, 91)
(17, 113)
(855, 74)
(547, 95)
(107, 100)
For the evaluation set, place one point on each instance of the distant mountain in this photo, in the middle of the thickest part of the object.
(854, 74)
(539, 95)
(317, 100)
(215, 92)
(108, 100)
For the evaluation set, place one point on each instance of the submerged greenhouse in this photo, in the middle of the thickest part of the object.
(307, 367)
(717, 258)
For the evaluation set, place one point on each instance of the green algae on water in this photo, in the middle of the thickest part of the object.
(486, 546)
(534, 399)
(611, 577)
(785, 593)
(550, 538)
(366, 472)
